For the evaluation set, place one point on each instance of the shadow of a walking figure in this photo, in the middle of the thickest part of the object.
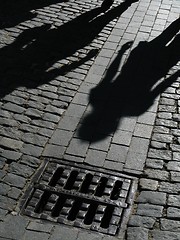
(13, 12)
(142, 78)
(29, 59)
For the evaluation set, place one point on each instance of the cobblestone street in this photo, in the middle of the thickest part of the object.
(90, 120)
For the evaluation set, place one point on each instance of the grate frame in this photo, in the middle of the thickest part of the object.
(82, 196)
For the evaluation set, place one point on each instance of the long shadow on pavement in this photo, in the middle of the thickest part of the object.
(134, 90)
(13, 12)
(29, 59)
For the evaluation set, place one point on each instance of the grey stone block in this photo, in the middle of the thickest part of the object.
(64, 233)
(143, 130)
(53, 151)
(174, 200)
(170, 225)
(77, 147)
(32, 150)
(157, 174)
(137, 233)
(141, 221)
(165, 235)
(13, 227)
(95, 158)
(150, 210)
(157, 198)
(148, 184)
(117, 153)
(15, 180)
(40, 227)
(29, 235)
(61, 137)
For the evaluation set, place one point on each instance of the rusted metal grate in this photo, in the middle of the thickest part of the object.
(81, 197)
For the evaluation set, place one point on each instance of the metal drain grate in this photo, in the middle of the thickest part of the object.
(81, 197)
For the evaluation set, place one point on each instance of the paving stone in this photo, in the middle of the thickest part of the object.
(33, 113)
(127, 124)
(157, 198)
(148, 184)
(160, 154)
(175, 176)
(51, 117)
(14, 193)
(53, 151)
(113, 165)
(3, 213)
(11, 155)
(137, 233)
(139, 145)
(122, 137)
(34, 139)
(64, 233)
(4, 189)
(40, 227)
(95, 157)
(150, 210)
(32, 150)
(69, 123)
(173, 166)
(141, 221)
(117, 153)
(175, 147)
(77, 147)
(165, 235)
(162, 137)
(61, 137)
(89, 236)
(154, 163)
(173, 213)
(30, 161)
(29, 235)
(157, 174)
(176, 156)
(174, 200)
(143, 130)
(20, 169)
(147, 118)
(158, 145)
(169, 187)
(11, 143)
(135, 161)
(13, 227)
(13, 108)
(75, 110)
(15, 180)
(102, 145)
(170, 225)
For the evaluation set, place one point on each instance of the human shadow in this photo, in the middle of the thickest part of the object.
(142, 78)
(29, 59)
(13, 12)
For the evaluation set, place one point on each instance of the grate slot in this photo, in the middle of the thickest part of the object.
(101, 187)
(116, 190)
(71, 180)
(56, 177)
(107, 217)
(42, 202)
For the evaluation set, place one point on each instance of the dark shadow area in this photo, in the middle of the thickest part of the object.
(142, 78)
(13, 12)
(29, 59)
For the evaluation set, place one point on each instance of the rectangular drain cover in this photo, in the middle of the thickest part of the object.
(81, 196)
